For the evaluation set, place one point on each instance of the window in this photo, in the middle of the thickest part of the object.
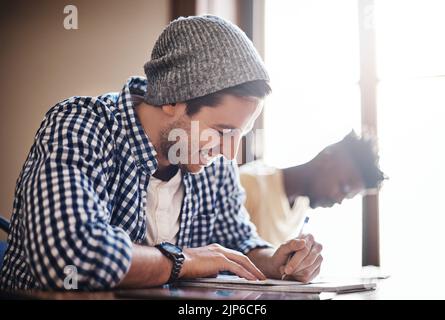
(411, 114)
(312, 54)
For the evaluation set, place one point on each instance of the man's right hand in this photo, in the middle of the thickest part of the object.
(208, 261)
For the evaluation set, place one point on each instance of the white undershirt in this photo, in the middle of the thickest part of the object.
(164, 200)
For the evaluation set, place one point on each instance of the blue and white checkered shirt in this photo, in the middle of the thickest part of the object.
(80, 198)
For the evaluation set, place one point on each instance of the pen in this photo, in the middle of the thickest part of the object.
(306, 220)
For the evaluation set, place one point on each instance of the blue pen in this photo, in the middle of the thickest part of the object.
(306, 220)
(300, 233)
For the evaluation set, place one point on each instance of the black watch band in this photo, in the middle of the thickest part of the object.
(174, 253)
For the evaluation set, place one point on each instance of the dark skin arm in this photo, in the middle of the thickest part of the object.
(294, 179)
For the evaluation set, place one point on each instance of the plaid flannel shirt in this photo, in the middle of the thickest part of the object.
(80, 199)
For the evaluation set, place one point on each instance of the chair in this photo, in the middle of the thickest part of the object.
(4, 226)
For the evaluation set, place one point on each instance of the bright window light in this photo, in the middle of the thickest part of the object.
(311, 51)
(410, 38)
(312, 54)
(411, 110)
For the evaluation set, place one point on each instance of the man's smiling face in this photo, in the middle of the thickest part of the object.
(199, 139)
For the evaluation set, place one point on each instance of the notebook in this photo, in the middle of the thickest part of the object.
(237, 283)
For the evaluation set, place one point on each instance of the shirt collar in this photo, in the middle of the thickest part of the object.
(173, 184)
(140, 144)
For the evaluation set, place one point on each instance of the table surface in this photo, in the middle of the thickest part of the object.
(169, 293)
(189, 293)
(392, 288)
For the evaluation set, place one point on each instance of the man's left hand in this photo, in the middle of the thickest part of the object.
(299, 259)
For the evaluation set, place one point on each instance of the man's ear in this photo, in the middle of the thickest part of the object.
(174, 109)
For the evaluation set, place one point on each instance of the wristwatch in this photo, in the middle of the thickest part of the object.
(174, 253)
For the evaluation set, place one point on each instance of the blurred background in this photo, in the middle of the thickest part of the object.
(335, 65)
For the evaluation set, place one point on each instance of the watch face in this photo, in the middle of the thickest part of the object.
(171, 248)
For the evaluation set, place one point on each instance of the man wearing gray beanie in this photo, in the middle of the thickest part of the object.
(138, 188)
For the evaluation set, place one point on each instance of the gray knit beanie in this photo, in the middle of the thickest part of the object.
(199, 55)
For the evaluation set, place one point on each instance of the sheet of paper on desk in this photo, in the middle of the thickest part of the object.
(222, 278)
(235, 282)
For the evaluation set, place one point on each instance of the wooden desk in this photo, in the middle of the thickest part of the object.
(168, 293)
(392, 288)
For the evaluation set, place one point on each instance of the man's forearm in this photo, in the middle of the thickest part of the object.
(262, 258)
(294, 179)
(149, 268)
